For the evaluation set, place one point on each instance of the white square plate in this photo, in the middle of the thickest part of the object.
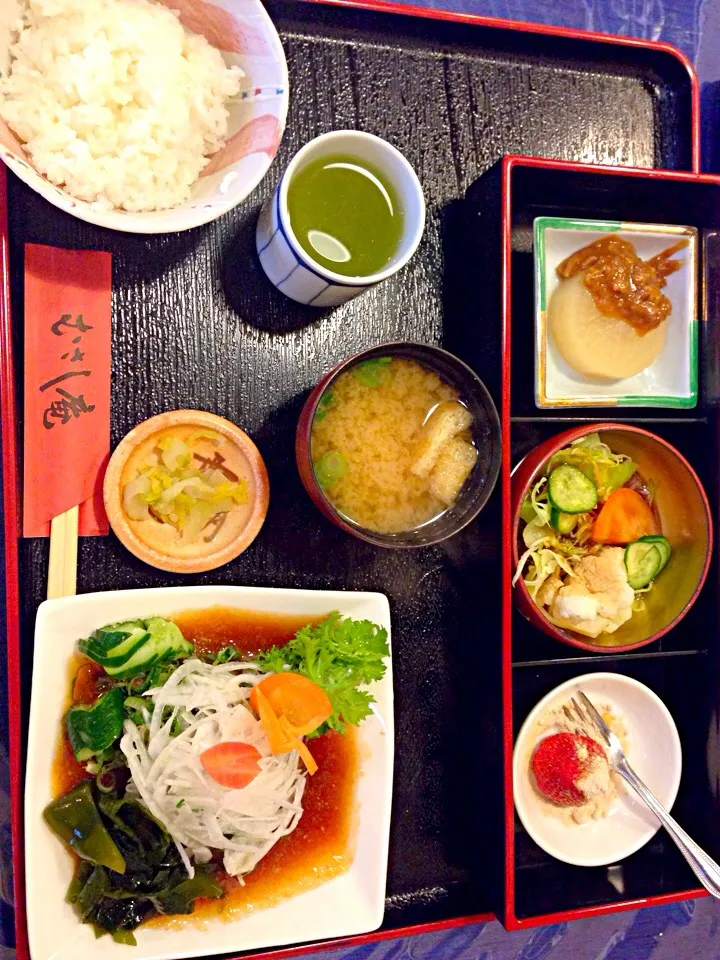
(349, 904)
(671, 381)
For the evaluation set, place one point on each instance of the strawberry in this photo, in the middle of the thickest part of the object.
(560, 762)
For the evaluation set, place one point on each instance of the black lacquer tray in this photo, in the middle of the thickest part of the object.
(196, 324)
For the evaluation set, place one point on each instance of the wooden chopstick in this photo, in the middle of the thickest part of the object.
(62, 570)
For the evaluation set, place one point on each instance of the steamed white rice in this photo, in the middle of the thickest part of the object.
(115, 101)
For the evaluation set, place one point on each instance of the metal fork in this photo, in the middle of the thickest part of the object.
(703, 866)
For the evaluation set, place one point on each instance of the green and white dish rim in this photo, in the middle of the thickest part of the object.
(540, 225)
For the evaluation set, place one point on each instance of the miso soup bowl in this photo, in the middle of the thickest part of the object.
(485, 431)
(684, 515)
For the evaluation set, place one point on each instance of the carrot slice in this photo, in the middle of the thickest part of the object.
(300, 746)
(231, 764)
(304, 703)
(625, 517)
(279, 742)
(281, 735)
(307, 758)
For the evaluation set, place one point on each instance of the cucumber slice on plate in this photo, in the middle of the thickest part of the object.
(571, 491)
(562, 522)
(663, 545)
(643, 562)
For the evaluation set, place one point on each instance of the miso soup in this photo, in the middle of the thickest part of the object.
(391, 444)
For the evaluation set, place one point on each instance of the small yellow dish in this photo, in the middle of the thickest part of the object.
(186, 491)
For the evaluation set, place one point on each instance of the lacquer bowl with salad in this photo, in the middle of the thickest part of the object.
(612, 536)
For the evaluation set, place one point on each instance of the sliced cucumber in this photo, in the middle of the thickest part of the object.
(643, 562)
(166, 642)
(152, 651)
(95, 727)
(562, 522)
(663, 545)
(112, 646)
(571, 491)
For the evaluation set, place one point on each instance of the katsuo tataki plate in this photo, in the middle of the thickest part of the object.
(347, 904)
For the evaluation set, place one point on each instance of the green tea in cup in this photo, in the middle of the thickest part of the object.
(348, 213)
(345, 214)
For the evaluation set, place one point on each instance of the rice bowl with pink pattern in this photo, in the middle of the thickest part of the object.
(151, 116)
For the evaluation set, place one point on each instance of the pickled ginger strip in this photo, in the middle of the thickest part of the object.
(198, 707)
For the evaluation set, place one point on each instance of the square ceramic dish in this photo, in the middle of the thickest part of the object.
(671, 381)
(351, 903)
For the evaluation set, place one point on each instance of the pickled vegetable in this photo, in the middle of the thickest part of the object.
(183, 488)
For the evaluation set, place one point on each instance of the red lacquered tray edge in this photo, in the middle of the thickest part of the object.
(510, 921)
(388, 6)
(11, 533)
(12, 507)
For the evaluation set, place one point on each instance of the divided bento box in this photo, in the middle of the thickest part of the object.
(197, 325)
(678, 665)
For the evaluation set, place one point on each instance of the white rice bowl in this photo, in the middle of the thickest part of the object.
(137, 111)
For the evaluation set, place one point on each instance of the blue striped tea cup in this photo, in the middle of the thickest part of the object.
(286, 263)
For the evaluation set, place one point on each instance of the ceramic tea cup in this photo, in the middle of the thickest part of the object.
(288, 265)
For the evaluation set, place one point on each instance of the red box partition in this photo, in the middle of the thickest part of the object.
(680, 667)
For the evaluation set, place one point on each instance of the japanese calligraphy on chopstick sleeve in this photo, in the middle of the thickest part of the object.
(67, 386)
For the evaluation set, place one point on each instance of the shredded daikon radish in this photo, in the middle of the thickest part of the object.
(199, 706)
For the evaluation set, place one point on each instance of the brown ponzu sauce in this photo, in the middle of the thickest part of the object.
(320, 847)
(83, 675)
(248, 630)
(621, 283)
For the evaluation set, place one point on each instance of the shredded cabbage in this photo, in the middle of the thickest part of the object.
(545, 562)
(174, 452)
(547, 551)
(536, 530)
(539, 500)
